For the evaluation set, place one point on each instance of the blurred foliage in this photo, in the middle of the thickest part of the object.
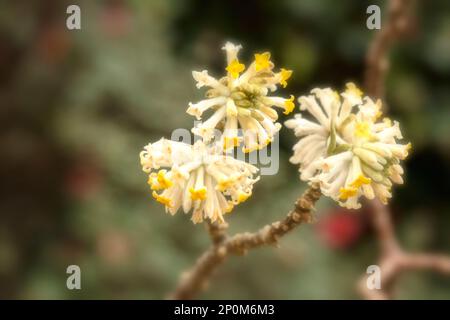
(78, 106)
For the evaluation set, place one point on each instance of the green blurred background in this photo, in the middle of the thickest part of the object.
(76, 108)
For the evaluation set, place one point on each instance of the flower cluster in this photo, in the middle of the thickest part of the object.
(203, 178)
(240, 100)
(346, 148)
(197, 178)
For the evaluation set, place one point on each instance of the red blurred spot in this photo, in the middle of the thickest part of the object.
(341, 228)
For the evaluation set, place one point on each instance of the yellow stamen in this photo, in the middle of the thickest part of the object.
(161, 199)
(164, 183)
(222, 185)
(358, 182)
(243, 196)
(264, 144)
(289, 105)
(262, 61)
(345, 193)
(234, 68)
(285, 75)
(362, 130)
(353, 89)
(229, 142)
(199, 194)
(250, 149)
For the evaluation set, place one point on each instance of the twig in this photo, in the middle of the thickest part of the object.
(398, 23)
(380, 219)
(217, 231)
(393, 260)
(195, 280)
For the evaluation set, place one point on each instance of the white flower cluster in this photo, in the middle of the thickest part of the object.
(343, 147)
(242, 101)
(346, 149)
(199, 178)
(202, 178)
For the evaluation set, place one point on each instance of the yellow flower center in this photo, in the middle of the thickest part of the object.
(224, 184)
(265, 143)
(243, 196)
(262, 61)
(250, 149)
(199, 194)
(362, 130)
(162, 180)
(229, 142)
(358, 182)
(285, 75)
(234, 68)
(289, 105)
(161, 199)
(345, 193)
(159, 181)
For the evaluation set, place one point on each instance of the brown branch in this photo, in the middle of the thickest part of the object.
(380, 219)
(399, 22)
(393, 260)
(195, 280)
(217, 231)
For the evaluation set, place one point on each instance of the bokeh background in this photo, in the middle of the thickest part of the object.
(76, 107)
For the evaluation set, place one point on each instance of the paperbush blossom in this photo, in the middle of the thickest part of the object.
(203, 178)
(240, 100)
(196, 177)
(346, 148)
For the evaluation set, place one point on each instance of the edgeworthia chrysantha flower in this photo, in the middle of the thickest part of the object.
(346, 148)
(240, 100)
(196, 177)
